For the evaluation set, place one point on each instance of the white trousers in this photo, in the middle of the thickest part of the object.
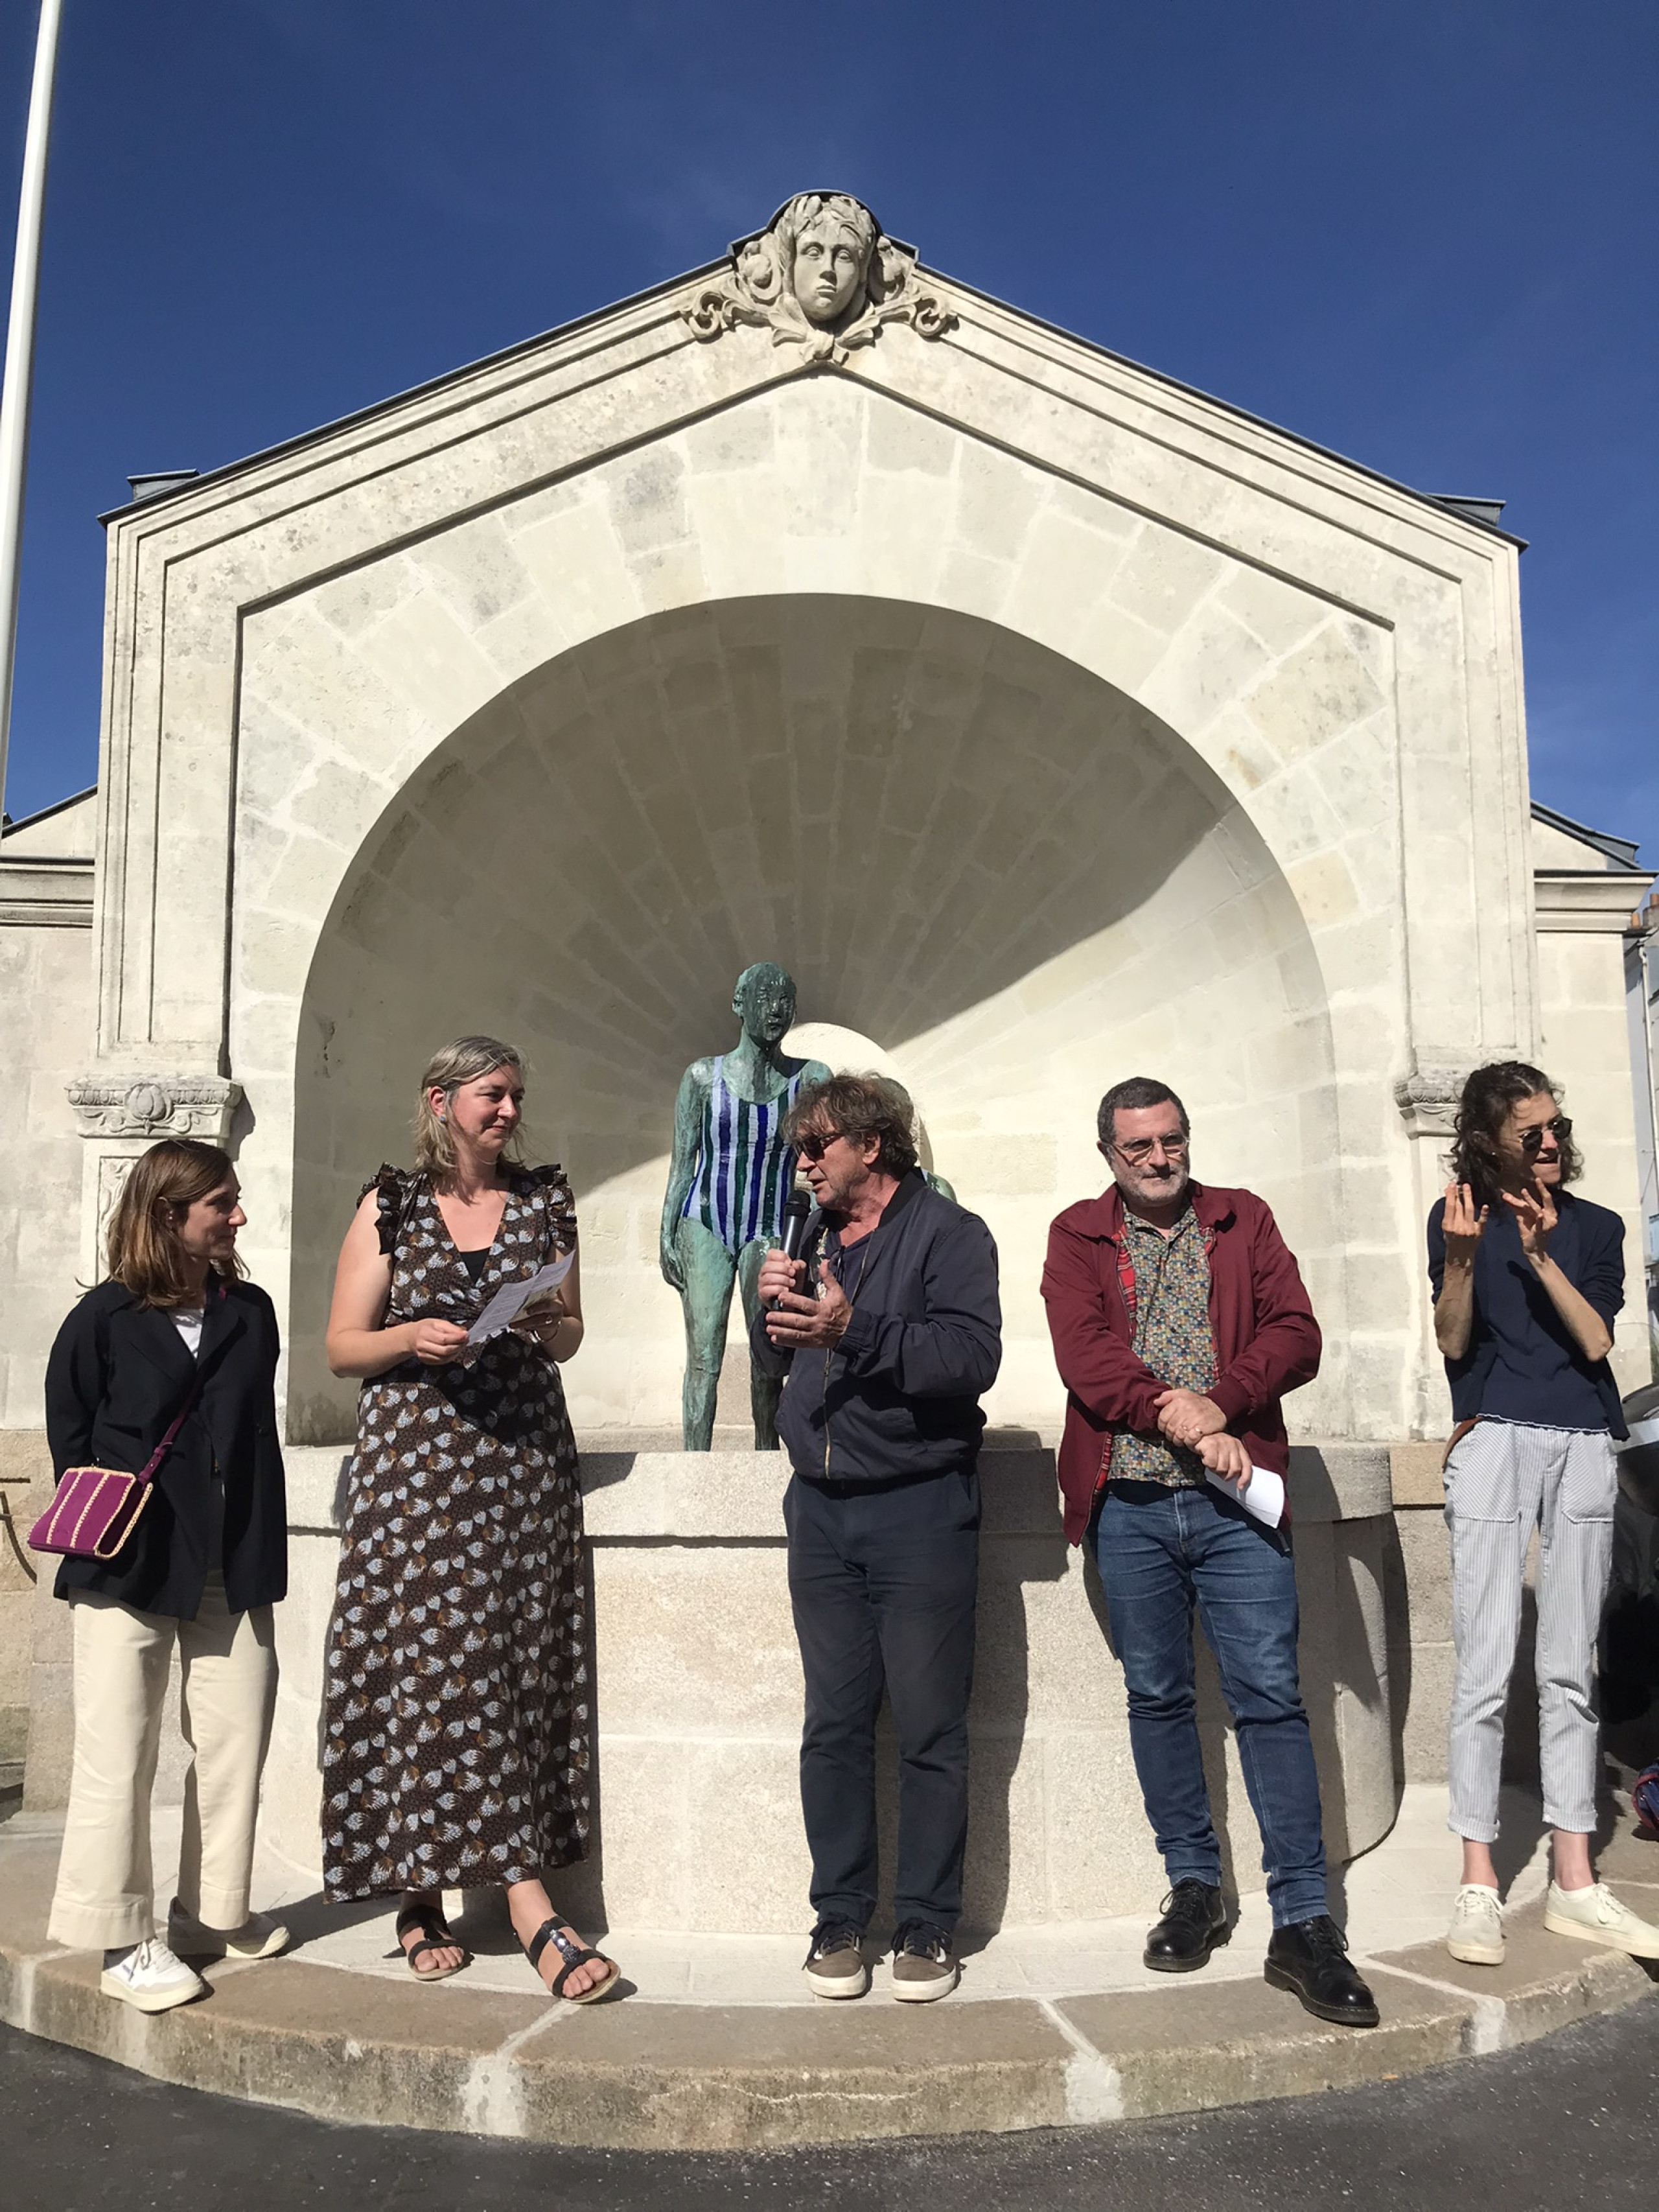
(104, 1897)
(1502, 1481)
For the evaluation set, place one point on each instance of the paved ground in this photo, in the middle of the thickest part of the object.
(1572, 2120)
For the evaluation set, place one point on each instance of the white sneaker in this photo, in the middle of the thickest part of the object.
(148, 1975)
(1596, 1916)
(1476, 1934)
(259, 1937)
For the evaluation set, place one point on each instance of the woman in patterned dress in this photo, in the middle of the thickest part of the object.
(457, 1715)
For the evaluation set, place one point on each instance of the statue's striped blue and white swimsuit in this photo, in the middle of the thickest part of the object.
(745, 1167)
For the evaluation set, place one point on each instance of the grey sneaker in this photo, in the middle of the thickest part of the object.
(1596, 1915)
(1476, 1934)
(835, 1964)
(924, 1964)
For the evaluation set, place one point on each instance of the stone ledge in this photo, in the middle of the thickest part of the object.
(354, 2046)
(1414, 1473)
(634, 1495)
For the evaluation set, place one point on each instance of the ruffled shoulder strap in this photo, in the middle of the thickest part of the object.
(554, 1185)
(394, 1188)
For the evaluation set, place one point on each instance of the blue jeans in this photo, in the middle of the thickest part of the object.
(1160, 1551)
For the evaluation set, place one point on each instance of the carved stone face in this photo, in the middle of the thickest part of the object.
(828, 268)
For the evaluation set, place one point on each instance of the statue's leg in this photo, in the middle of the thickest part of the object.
(765, 1390)
(710, 1270)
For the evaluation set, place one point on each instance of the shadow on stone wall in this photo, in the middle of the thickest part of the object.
(908, 808)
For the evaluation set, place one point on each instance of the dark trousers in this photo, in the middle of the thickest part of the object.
(884, 1582)
(1160, 1553)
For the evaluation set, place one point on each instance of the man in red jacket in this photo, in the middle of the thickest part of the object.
(1179, 1320)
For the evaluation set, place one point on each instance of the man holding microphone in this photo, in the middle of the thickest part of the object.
(1179, 1320)
(887, 1333)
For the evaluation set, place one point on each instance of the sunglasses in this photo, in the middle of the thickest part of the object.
(1175, 1148)
(1532, 1139)
(816, 1143)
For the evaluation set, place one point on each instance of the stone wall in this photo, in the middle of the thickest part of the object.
(1584, 901)
(46, 1020)
(1004, 871)
(580, 675)
(698, 1694)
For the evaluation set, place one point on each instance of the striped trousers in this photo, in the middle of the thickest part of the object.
(1503, 1479)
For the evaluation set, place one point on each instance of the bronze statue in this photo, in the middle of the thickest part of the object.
(727, 1182)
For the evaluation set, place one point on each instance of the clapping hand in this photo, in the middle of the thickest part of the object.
(1462, 1224)
(1535, 1218)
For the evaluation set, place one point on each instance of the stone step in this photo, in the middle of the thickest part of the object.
(361, 2042)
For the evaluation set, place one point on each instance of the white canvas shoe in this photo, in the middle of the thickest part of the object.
(147, 1976)
(1476, 1934)
(259, 1937)
(1596, 1916)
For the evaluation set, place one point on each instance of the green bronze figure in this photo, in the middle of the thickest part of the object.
(729, 1178)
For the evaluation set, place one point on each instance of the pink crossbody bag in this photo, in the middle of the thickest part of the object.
(95, 1509)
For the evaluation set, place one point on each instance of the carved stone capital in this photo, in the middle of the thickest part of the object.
(1427, 1099)
(151, 1106)
(822, 276)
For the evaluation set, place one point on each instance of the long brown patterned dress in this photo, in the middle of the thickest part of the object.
(456, 1713)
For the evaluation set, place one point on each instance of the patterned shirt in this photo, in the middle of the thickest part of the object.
(1172, 1337)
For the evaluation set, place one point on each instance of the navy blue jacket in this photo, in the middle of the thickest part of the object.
(1522, 1363)
(899, 1395)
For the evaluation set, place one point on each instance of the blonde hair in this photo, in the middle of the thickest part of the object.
(144, 1248)
(463, 1061)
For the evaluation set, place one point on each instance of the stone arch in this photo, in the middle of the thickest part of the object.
(1012, 876)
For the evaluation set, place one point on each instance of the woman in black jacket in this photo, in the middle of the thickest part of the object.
(173, 1327)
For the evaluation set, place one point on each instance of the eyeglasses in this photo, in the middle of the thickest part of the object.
(817, 1142)
(1175, 1148)
(1532, 1139)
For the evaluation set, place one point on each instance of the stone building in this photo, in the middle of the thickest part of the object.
(1050, 722)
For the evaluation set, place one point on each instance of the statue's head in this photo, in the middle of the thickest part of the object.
(764, 1002)
(826, 240)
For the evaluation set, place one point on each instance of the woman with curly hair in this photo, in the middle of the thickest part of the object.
(457, 1715)
(1527, 1282)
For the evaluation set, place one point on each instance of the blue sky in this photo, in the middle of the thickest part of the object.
(1421, 233)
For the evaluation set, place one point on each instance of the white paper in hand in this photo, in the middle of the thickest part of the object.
(1264, 1498)
(510, 1301)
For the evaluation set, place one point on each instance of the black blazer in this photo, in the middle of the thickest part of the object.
(117, 1374)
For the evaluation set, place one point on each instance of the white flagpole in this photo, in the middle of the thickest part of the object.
(20, 356)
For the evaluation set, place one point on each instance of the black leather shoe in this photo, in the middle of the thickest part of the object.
(1310, 1960)
(1194, 1921)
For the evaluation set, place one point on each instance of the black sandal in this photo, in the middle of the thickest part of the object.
(573, 1954)
(436, 1935)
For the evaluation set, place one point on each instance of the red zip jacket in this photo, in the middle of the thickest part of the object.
(1266, 1340)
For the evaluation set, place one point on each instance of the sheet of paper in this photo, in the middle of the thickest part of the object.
(1263, 1500)
(510, 1301)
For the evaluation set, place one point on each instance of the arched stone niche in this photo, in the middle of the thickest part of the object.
(1014, 878)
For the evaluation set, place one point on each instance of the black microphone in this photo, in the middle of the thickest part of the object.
(796, 1212)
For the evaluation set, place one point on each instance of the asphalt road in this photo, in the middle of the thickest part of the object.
(1572, 2121)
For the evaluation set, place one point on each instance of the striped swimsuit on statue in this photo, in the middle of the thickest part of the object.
(745, 1169)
